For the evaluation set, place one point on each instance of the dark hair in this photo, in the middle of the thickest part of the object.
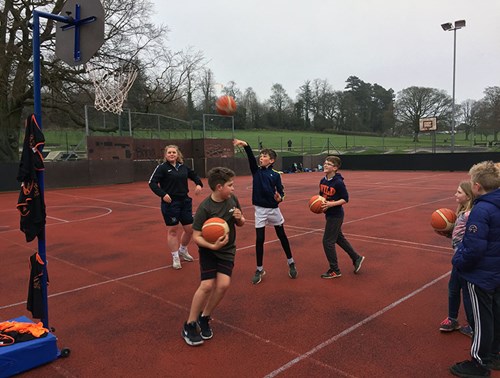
(270, 152)
(219, 175)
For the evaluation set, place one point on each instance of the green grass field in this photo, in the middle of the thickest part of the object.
(302, 142)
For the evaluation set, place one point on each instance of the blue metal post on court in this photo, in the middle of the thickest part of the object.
(70, 23)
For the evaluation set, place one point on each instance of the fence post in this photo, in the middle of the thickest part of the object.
(87, 129)
(129, 122)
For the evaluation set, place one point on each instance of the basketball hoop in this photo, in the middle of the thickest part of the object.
(428, 124)
(111, 85)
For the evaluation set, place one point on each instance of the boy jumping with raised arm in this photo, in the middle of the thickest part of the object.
(267, 193)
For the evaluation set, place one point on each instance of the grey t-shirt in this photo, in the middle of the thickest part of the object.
(209, 209)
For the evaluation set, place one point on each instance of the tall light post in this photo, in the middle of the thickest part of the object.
(450, 27)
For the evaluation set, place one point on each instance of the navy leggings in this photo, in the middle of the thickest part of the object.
(259, 243)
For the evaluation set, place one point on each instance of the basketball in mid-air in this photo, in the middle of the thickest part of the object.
(225, 105)
(213, 229)
(315, 204)
(443, 220)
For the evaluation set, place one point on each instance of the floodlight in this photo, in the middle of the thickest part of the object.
(447, 26)
(459, 24)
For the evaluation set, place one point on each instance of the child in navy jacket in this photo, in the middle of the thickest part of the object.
(267, 193)
(477, 260)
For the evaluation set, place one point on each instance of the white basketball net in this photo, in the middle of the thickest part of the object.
(111, 85)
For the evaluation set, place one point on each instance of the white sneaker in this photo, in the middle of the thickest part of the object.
(176, 264)
(186, 256)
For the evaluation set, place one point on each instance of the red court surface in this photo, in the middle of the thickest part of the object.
(116, 302)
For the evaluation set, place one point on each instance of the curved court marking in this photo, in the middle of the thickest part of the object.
(58, 221)
(6, 229)
(108, 211)
(110, 201)
(347, 331)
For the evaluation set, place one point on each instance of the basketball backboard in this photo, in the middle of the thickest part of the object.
(77, 43)
(428, 124)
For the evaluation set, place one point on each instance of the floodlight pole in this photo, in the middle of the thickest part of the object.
(448, 27)
(453, 103)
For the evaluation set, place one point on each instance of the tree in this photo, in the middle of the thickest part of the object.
(361, 101)
(207, 88)
(468, 110)
(306, 98)
(414, 103)
(232, 90)
(252, 108)
(280, 105)
(129, 36)
(489, 112)
(382, 109)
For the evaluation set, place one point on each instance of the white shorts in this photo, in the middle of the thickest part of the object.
(265, 216)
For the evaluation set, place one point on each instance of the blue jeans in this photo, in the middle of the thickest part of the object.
(456, 285)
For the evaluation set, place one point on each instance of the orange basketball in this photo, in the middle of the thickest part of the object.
(213, 229)
(443, 219)
(315, 204)
(225, 105)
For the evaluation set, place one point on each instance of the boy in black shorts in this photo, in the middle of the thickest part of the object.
(216, 259)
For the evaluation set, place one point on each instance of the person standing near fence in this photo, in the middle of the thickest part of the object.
(169, 181)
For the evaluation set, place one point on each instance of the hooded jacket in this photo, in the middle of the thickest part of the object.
(477, 257)
(334, 189)
(266, 182)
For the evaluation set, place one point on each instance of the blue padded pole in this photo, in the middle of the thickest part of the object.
(38, 115)
(40, 175)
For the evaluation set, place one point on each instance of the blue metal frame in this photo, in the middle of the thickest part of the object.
(71, 22)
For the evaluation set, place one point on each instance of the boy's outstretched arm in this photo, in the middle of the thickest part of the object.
(251, 158)
(239, 143)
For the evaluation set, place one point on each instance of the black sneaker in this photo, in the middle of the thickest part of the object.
(191, 335)
(206, 331)
(357, 263)
(258, 276)
(292, 271)
(331, 274)
(469, 369)
(494, 363)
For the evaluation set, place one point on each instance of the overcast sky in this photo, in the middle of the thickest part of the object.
(394, 43)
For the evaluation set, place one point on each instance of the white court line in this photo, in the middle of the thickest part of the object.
(347, 331)
(58, 219)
